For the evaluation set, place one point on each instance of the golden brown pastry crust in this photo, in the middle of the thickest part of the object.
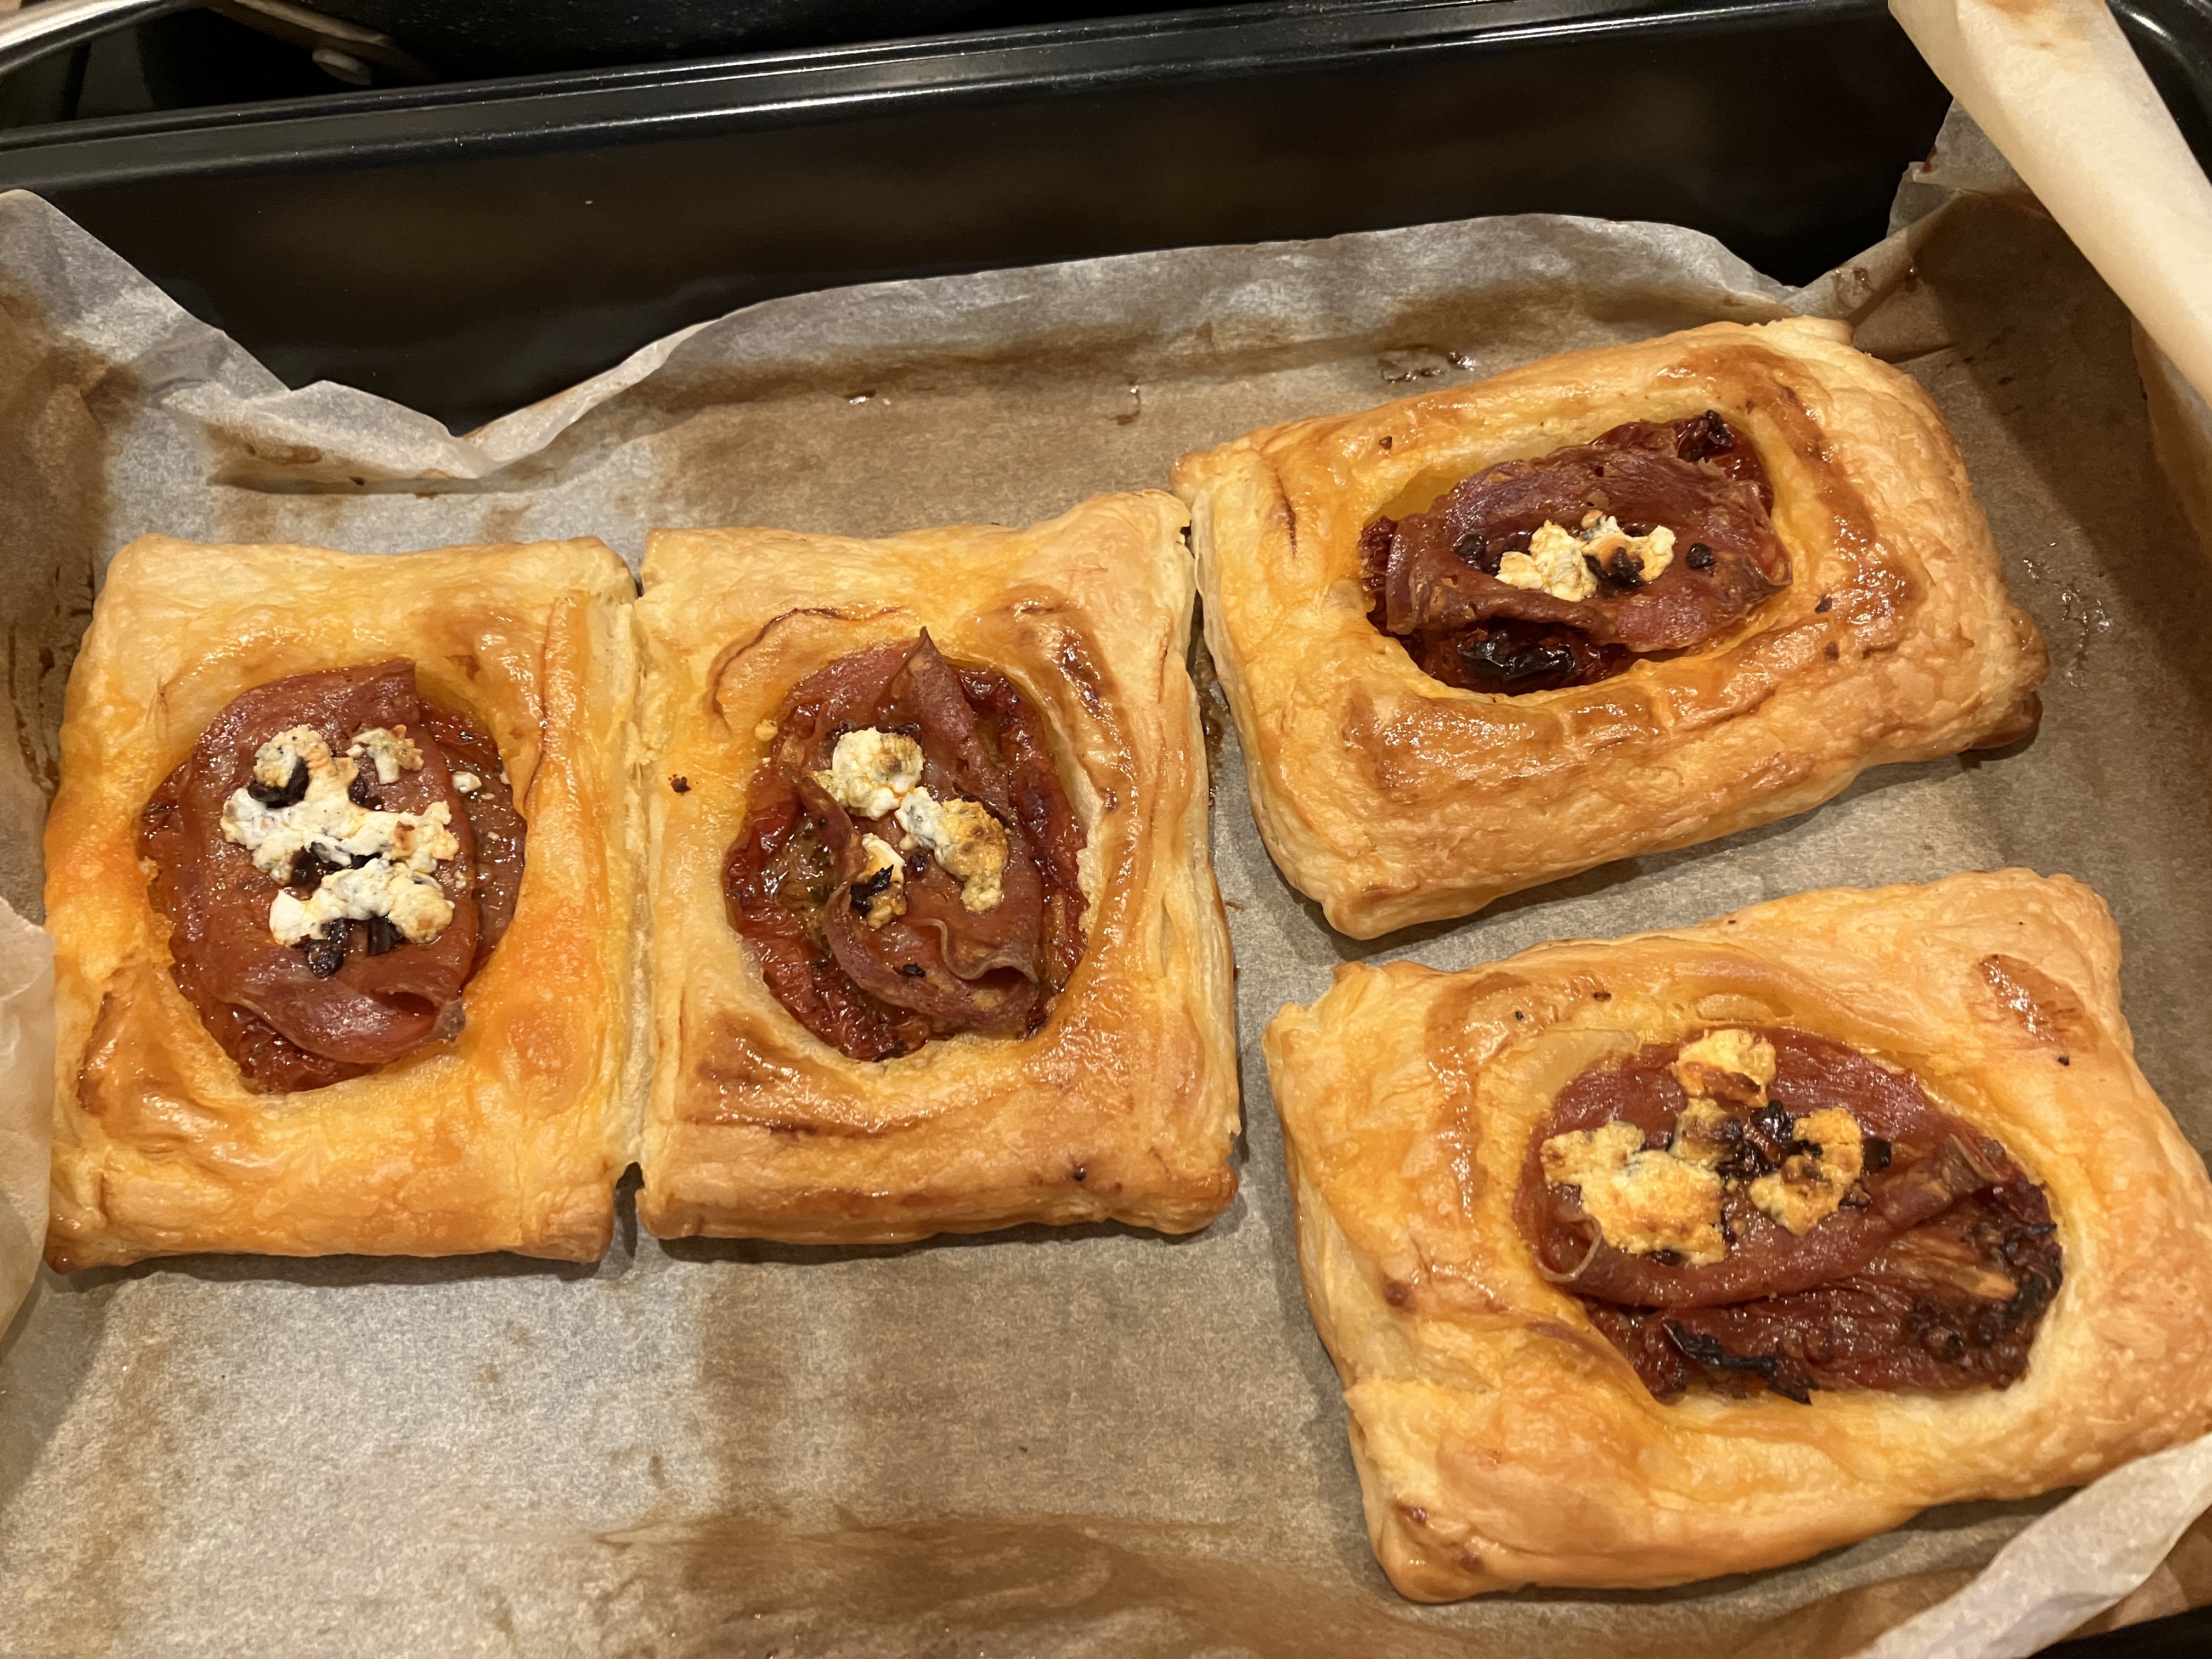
(1501, 1440)
(507, 1136)
(1123, 1104)
(1393, 798)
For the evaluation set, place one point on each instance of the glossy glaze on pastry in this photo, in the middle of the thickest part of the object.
(1644, 714)
(467, 1101)
(1110, 1093)
(1520, 1412)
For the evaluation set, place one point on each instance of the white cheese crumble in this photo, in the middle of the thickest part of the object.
(1557, 562)
(467, 782)
(413, 902)
(879, 774)
(890, 901)
(1810, 1187)
(1731, 1065)
(392, 852)
(1643, 1201)
(966, 840)
(393, 751)
(870, 771)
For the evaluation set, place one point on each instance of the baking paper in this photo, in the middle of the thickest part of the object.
(2073, 1563)
(1092, 1441)
(2056, 87)
(27, 1099)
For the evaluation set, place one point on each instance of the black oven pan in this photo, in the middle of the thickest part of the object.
(467, 248)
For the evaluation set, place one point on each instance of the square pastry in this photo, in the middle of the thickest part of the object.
(936, 941)
(1610, 603)
(340, 875)
(1650, 1259)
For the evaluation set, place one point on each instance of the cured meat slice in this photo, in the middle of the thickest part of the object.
(806, 881)
(1440, 579)
(378, 996)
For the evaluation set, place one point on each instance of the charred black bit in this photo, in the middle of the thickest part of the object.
(1827, 603)
(1707, 1351)
(360, 792)
(1619, 571)
(310, 865)
(325, 955)
(1699, 558)
(290, 792)
(1874, 1152)
(1514, 661)
(384, 935)
(872, 887)
(680, 784)
(912, 969)
(1474, 547)
(1385, 441)
(1706, 436)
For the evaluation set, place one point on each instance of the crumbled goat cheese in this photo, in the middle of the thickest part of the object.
(1735, 1066)
(1810, 1187)
(467, 783)
(413, 902)
(880, 891)
(1643, 1201)
(879, 774)
(966, 840)
(1558, 561)
(1553, 564)
(871, 771)
(326, 822)
(393, 751)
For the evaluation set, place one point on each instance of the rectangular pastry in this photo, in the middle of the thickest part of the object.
(1610, 603)
(1650, 1259)
(339, 875)
(936, 941)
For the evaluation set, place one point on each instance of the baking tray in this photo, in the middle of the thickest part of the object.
(468, 249)
(579, 216)
(331, 208)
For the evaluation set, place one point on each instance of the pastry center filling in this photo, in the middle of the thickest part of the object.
(1562, 570)
(336, 857)
(1764, 1209)
(907, 867)
(301, 823)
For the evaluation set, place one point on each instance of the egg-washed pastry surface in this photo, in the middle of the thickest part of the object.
(936, 940)
(1649, 1259)
(339, 874)
(1612, 602)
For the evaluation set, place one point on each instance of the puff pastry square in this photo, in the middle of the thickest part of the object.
(1123, 1103)
(509, 1136)
(1393, 798)
(1501, 1440)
